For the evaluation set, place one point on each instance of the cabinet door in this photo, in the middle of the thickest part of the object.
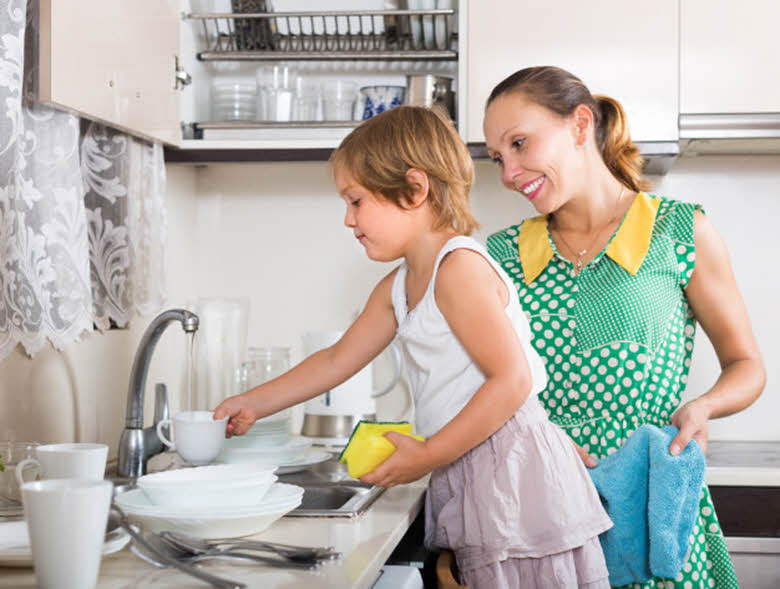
(627, 50)
(113, 61)
(729, 57)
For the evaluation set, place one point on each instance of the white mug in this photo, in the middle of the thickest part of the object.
(199, 438)
(66, 520)
(67, 461)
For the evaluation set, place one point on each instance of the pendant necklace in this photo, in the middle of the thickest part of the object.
(578, 264)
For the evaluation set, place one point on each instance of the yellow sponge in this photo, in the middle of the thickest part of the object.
(368, 447)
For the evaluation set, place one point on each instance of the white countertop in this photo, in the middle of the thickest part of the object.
(366, 542)
(743, 464)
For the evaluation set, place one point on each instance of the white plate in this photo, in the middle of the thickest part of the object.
(279, 495)
(15, 544)
(237, 451)
(241, 523)
(310, 457)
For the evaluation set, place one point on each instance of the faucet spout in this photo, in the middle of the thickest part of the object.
(135, 448)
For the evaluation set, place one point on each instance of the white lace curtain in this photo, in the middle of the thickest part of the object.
(82, 218)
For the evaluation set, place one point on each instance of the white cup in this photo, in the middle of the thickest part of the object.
(199, 438)
(66, 520)
(67, 461)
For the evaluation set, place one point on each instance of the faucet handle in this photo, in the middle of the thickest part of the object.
(161, 410)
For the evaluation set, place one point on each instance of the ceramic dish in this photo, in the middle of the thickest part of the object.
(135, 501)
(15, 548)
(310, 458)
(242, 522)
(209, 486)
(236, 452)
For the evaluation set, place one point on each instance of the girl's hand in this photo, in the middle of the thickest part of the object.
(409, 462)
(692, 420)
(241, 416)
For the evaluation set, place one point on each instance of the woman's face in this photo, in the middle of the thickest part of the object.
(537, 150)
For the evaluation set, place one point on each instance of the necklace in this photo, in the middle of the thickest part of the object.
(578, 264)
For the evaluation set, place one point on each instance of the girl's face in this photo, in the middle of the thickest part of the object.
(379, 225)
(537, 151)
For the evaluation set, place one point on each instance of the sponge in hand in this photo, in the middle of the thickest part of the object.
(368, 447)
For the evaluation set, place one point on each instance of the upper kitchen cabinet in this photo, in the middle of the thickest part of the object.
(114, 62)
(729, 57)
(627, 50)
(250, 73)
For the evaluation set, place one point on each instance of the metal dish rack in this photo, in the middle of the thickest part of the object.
(384, 35)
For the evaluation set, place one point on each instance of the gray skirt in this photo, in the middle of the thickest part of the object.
(521, 495)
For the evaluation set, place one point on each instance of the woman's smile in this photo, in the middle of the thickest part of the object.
(532, 188)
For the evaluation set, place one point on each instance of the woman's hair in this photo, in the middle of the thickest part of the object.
(562, 92)
(381, 150)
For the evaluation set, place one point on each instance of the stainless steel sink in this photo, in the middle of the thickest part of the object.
(330, 492)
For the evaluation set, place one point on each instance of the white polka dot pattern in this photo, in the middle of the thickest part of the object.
(617, 349)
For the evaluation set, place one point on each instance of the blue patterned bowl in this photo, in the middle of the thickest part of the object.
(378, 99)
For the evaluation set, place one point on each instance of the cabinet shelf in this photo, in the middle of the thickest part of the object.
(368, 35)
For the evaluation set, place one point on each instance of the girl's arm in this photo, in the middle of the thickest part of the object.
(718, 306)
(472, 297)
(365, 339)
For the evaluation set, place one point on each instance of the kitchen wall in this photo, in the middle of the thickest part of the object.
(274, 233)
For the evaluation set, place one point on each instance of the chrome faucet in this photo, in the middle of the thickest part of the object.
(138, 444)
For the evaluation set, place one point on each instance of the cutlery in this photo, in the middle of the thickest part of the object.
(297, 553)
(182, 551)
(167, 560)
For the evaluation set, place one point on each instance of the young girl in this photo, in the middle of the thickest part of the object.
(508, 492)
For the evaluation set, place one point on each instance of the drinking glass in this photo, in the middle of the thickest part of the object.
(338, 100)
(262, 365)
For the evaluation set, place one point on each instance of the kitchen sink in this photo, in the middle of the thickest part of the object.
(329, 491)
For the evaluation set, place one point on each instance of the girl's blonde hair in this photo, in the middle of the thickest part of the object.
(381, 150)
(562, 92)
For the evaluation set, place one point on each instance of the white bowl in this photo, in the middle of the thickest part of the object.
(208, 486)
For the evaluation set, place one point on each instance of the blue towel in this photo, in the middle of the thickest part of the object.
(653, 500)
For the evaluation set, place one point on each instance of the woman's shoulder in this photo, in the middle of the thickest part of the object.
(675, 217)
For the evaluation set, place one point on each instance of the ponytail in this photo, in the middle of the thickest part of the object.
(619, 153)
(561, 92)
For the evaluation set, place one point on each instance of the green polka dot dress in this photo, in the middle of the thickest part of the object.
(616, 340)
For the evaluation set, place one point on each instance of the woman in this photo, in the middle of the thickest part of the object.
(614, 281)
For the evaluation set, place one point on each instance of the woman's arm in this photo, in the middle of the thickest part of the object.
(365, 339)
(718, 306)
(472, 298)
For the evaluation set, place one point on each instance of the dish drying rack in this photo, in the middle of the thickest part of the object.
(382, 35)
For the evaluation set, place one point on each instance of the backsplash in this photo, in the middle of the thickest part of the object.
(274, 233)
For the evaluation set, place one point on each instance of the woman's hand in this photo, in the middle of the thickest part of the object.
(587, 459)
(409, 462)
(241, 415)
(692, 420)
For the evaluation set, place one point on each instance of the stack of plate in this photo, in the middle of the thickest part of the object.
(291, 456)
(263, 434)
(218, 501)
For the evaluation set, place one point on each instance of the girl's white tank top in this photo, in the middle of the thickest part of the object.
(442, 376)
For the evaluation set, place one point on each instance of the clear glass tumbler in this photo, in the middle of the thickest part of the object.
(262, 365)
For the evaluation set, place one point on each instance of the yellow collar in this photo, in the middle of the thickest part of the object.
(628, 248)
